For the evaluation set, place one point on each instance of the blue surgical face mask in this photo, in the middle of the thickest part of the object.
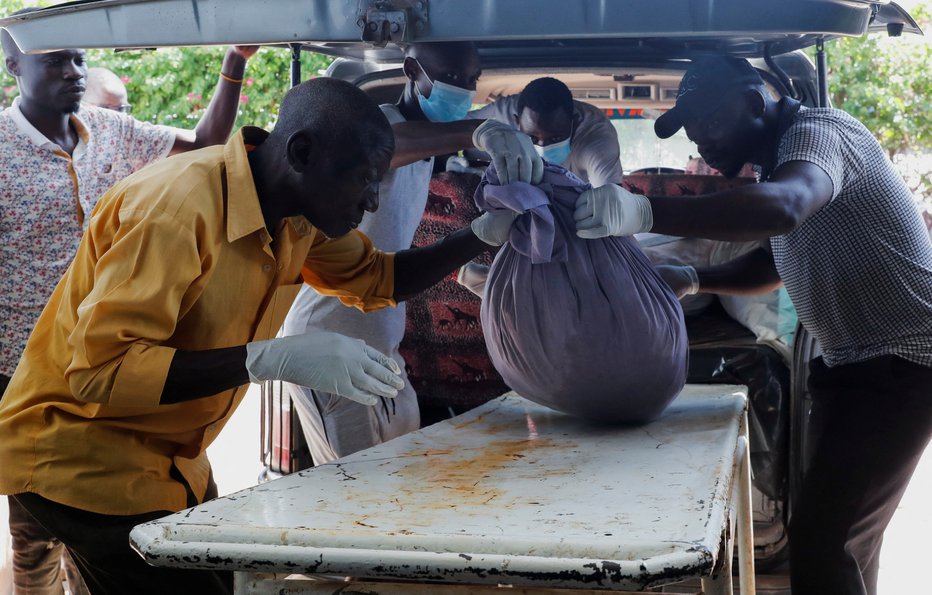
(555, 153)
(447, 103)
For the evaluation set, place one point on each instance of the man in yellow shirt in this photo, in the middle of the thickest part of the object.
(186, 271)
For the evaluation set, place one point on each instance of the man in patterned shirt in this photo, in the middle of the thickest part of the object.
(849, 245)
(56, 159)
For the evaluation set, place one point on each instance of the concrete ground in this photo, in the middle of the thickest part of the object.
(235, 459)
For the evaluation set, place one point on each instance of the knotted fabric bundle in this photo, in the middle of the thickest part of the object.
(586, 327)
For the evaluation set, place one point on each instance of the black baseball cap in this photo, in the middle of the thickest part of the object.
(702, 87)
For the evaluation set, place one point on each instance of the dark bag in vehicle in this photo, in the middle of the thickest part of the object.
(586, 327)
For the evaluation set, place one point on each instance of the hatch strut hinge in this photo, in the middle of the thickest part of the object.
(397, 21)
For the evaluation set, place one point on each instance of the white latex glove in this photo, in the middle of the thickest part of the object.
(512, 152)
(328, 362)
(682, 279)
(461, 165)
(493, 227)
(473, 276)
(610, 210)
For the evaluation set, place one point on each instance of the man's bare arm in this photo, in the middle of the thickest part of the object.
(752, 212)
(196, 374)
(419, 268)
(420, 140)
(750, 274)
(217, 122)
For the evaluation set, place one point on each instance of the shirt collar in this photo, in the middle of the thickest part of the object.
(244, 213)
(787, 109)
(42, 141)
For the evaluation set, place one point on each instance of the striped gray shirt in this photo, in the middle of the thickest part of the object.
(859, 271)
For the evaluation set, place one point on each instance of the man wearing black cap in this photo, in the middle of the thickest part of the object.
(851, 249)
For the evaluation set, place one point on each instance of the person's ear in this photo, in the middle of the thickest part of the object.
(302, 151)
(12, 66)
(755, 102)
(517, 120)
(410, 68)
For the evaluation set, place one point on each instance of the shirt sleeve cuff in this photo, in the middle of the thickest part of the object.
(141, 377)
(384, 294)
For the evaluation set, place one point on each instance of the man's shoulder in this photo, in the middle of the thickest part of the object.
(9, 131)
(591, 115)
(179, 186)
(183, 170)
(827, 130)
(501, 109)
(594, 126)
(392, 113)
(105, 123)
(101, 121)
(815, 118)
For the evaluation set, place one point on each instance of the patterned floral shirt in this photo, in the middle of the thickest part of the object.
(46, 198)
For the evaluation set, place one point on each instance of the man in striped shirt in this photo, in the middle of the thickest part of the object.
(851, 249)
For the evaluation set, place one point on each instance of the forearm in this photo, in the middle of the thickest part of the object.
(751, 212)
(196, 374)
(215, 126)
(419, 140)
(751, 274)
(419, 268)
(217, 122)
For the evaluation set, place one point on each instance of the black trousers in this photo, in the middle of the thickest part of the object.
(876, 420)
(99, 545)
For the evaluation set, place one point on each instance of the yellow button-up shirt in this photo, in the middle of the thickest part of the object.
(176, 256)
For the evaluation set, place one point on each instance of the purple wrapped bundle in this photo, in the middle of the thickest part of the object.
(586, 327)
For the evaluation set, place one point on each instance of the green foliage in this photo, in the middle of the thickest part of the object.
(887, 84)
(173, 86)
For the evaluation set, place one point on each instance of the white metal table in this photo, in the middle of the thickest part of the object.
(511, 493)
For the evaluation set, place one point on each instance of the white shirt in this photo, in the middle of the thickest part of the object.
(594, 153)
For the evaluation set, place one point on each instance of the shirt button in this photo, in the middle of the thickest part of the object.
(266, 267)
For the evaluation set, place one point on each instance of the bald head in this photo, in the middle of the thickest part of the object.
(325, 157)
(443, 55)
(338, 115)
(106, 90)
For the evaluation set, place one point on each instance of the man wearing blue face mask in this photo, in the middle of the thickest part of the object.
(441, 85)
(426, 121)
(566, 132)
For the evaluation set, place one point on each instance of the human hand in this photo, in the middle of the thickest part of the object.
(512, 152)
(328, 362)
(245, 51)
(682, 279)
(610, 210)
(493, 227)
(473, 277)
